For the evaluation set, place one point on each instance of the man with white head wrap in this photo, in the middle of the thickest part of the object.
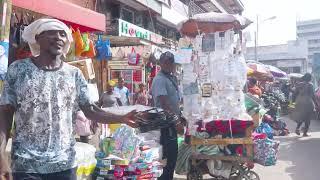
(45, 93)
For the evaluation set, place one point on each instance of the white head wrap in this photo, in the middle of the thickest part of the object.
(41, 25)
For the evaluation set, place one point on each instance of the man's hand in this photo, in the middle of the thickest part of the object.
(128, 119)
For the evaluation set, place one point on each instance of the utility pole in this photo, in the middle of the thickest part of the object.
(256, 34)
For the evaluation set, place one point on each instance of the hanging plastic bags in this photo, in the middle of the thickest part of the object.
(133, 57)
(103, 49)
(86, 42)
(79, 44)
(91, 53)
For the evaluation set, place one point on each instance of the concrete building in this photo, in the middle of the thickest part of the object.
(310, 31)
(291, 57)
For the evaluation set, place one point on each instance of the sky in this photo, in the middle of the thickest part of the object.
(283, 27)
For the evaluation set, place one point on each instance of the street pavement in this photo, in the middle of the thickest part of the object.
(298, 159)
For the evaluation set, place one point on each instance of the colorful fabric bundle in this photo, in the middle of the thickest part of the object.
(265, 151)
(266, 129)
(223, 127)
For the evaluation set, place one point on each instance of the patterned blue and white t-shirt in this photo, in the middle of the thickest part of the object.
(46, 103)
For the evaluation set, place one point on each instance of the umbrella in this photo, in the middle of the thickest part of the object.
(276, 72)
(260, 72)
(295, 75)
(212, 22)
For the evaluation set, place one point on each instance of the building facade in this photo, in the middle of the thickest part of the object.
(149, 26)
(291, 57)
(310, 31)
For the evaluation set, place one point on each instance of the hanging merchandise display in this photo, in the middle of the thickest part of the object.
(91, 53)
(86, 42)
(213, 98)
(213, 80)
(103, 49)
(133, 57)
(79, 44)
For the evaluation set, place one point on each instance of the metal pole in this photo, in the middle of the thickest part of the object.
(257, 38)
(255, 46)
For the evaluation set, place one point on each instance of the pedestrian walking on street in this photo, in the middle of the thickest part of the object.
(44, 93)
(305, 104)
(165, 94)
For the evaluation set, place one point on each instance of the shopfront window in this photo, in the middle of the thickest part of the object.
(132, 77)
(127, 15)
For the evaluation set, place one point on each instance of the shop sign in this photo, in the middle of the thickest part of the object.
(131, 30)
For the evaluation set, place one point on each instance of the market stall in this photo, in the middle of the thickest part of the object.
(219, 133)
(129, 153)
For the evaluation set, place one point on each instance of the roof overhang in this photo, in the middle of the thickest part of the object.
(66, 11)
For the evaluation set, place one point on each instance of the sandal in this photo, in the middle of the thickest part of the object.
(305, 135)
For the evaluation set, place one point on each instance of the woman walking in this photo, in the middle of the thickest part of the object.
(305, 104)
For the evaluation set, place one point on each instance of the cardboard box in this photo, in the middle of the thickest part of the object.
(86, 66)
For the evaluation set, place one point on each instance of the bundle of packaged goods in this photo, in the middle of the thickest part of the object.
(129, 155)
(85, 160)
(214, 75)
(213, 79)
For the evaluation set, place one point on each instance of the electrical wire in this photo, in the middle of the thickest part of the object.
(152, 22)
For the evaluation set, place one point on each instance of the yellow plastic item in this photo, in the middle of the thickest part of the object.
(86, 170)
(113, 127)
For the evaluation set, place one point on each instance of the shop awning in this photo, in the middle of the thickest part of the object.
(70, 13)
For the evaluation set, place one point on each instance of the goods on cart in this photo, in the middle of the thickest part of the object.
(219, 127)
(155, 119)
(130, 155)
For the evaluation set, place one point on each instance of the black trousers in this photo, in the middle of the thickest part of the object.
(170, 152)
(306, 125)
(70, 174)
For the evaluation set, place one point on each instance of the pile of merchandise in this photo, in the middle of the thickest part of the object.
(128, 155)
(273, 101)
(214, 74)
(213, 79)
(265, 149)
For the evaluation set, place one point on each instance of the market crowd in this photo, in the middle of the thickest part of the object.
(49, 99)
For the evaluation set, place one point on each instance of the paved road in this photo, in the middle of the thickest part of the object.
(299, 157)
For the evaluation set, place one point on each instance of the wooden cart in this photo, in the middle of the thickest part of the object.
(240, 170)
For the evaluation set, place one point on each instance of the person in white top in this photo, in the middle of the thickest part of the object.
(123, 91)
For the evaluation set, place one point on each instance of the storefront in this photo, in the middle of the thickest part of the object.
(21, 13)
(148, 43)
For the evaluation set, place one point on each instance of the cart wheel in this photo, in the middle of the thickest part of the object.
(249, 175)
(194, 174)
